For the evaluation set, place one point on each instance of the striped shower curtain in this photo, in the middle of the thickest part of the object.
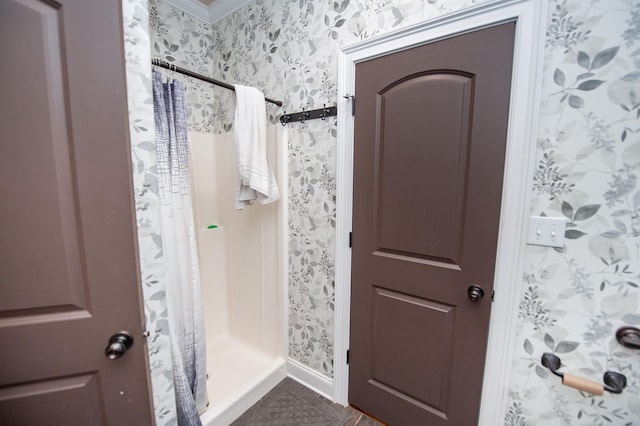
(180, 257)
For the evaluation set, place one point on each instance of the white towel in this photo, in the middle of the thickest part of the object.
(255, 177)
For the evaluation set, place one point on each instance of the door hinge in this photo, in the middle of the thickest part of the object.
(350, 239)
(352, 98)
(493, 293)
(347, 356)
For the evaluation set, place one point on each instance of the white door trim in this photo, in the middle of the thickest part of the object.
(520, 154)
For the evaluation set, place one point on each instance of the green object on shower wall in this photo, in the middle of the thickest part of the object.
(212, 226)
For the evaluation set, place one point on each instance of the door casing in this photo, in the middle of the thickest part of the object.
(518, 173)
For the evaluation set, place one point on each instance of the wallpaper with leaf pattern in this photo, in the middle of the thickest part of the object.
(289, 50)
(147, 205)
(574, 298)
(185, 41)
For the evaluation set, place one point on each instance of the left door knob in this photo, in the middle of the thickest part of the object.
(475, 293)
(119, 343)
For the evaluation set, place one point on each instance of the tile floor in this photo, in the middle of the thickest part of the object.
(291, 404)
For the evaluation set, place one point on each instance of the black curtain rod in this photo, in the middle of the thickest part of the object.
(164, 64)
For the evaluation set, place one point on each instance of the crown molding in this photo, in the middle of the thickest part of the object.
(211, 14)
(220, 9)
(193, 8)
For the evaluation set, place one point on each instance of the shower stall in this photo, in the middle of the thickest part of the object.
(243, 266)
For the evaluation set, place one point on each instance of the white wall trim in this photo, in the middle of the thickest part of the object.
(211, 14)
(283, 236)
(517, 184)
(521, 143)
(344, 212)
(193, 8)
(220, 9)
(310, 378)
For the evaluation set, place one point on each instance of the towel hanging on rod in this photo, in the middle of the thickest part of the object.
(164, 64)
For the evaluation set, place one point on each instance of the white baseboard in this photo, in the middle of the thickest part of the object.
(315, 381)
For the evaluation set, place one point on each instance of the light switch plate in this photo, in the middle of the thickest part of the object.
(546, 231)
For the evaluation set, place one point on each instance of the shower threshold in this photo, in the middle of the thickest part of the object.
(238, 376)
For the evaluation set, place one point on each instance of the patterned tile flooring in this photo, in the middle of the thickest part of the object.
(291, 404)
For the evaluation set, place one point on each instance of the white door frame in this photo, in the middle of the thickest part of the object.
(530, 16)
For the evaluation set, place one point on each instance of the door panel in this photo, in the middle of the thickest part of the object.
(53, 397)
(404, 362)
(403, 227)
(44, 154)
(430, 138)
(68, 272)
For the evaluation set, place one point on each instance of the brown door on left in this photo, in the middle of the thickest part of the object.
(68, 271)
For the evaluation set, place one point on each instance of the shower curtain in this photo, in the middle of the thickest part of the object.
(180, 258)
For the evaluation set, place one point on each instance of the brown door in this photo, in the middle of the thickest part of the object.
(430, 137)
(68, 270)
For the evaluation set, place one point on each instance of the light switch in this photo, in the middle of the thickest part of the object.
(546, 231)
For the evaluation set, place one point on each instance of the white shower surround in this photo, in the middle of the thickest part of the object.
(243, 266)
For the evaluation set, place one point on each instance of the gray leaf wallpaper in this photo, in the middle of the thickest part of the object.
(185, 41)
(147, 204)
(572, 299)
(289, 50)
